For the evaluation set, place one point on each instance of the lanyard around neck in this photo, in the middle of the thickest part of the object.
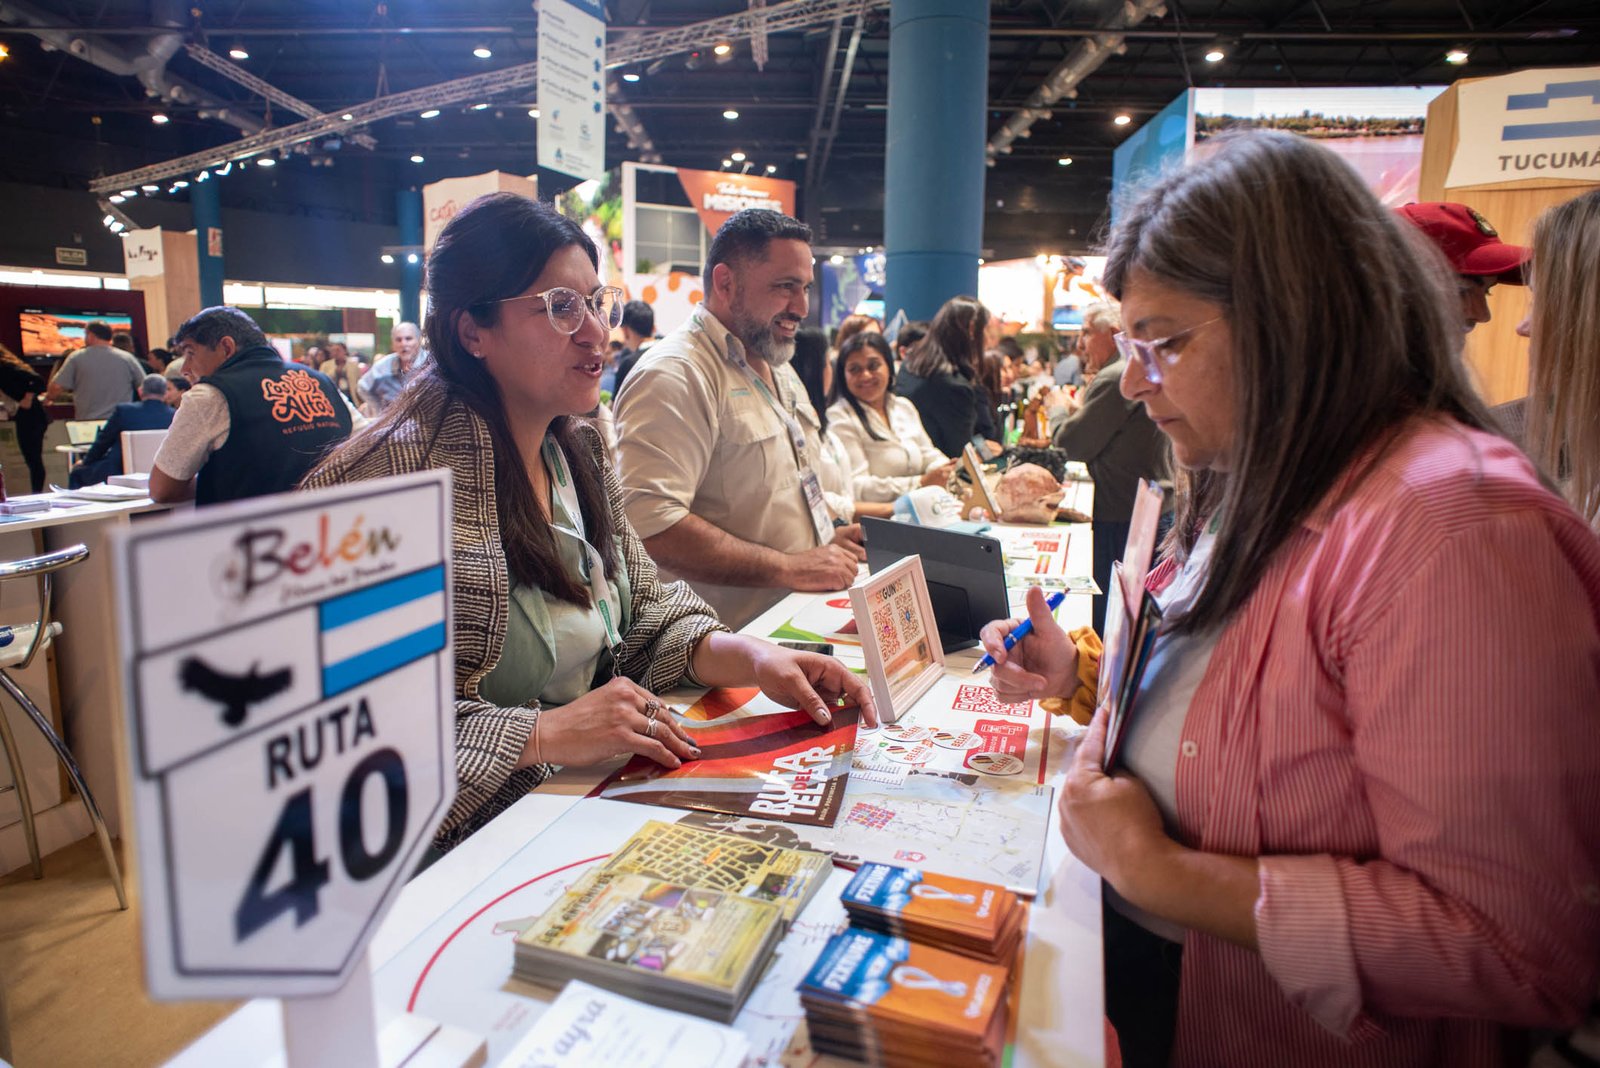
(594, 565)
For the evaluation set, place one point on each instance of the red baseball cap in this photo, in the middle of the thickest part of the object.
(1468, 241)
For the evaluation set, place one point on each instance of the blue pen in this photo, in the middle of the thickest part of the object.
(1052, 602)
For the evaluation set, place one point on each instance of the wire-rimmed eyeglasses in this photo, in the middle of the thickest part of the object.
(565, 307)
(1157, 352)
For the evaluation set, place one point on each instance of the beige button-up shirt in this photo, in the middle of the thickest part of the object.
(694, 434)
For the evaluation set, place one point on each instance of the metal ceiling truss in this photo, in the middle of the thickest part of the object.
(233, 72)
(636, 47)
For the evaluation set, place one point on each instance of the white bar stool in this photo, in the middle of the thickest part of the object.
(18, 647)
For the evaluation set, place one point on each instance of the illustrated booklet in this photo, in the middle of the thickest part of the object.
(693, 950)
(778, 766)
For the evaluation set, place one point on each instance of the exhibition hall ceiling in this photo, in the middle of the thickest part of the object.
(66, 120)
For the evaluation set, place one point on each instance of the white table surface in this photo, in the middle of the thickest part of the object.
(1062, 1002)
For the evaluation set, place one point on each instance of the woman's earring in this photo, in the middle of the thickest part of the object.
(477, 355)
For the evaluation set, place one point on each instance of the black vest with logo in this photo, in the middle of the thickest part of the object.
(282, 419)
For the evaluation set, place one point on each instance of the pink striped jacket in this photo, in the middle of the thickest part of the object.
(1403, 722)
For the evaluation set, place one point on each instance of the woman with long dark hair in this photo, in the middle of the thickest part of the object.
(23, 385)
(564, 634)
(941, 377)
(1356, 815)
(889, 450)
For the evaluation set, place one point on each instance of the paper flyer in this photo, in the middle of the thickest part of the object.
(588, 1026)
(778, 767)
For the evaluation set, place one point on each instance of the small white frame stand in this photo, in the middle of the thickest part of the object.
(895, 695)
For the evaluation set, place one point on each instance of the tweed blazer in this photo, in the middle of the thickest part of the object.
(664, 621)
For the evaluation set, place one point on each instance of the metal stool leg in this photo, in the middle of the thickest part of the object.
(8, 742)
(64, 755)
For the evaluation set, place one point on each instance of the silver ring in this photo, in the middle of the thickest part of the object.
(651, 707)
(650, 729)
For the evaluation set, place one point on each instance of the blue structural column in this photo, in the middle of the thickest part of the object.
(933, 180)
(408, 207)
(206, 202)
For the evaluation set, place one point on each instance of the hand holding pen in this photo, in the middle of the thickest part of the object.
(1032, 658)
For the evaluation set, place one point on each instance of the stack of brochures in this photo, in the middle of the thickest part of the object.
(976, 919)
(680, 947)
(884, 1000)
(708, 860)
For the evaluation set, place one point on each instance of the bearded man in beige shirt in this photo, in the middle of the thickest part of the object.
(717, 443)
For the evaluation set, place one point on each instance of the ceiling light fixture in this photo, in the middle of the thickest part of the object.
(151, 188)
(722, 48)
(1122, 120)
(160, 118)
(418, 158)
(1064, 161)
(222, 171)
(727, 163)
(237, 51)
(180, 184)
(266, 161)
(533, 113)
(1456, 56)
(483, 52)
(4, 51)
(737, 157)
(347, 117)
(730, 114)
(411, 257)
(129, 193)
(772, 168)
(480, 107)
(1215, 55)
(836, 259)
(203, 176)
(631, 76)
(386, 258)
(116, 198)
(431, 113)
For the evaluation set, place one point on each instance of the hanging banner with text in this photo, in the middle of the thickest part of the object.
(290, 728)
(716, 195)
(1532, 124)
(572, 93)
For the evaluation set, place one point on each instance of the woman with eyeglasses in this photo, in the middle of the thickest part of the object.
(1356, 818)
(563, 633)
(882, 434)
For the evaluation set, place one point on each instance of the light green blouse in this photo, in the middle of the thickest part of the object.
(553, 650)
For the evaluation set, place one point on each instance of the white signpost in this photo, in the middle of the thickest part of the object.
(572, 87)
(291, 741)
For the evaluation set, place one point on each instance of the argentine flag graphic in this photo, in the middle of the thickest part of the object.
(374, 630)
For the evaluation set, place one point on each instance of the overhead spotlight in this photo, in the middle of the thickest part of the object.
(801, 154)
(480, 107)
(722, 49)
(483, 52)
(386, 258)
(411, 257)
(631, 76)
(347, 117)
(692, 61)
(237, 51)
(417, 158)
(1456, 56)
(431, 113)
(151, 188)
(730, 114)
(117, 228)
(130, 193)
(737, 157)
(4, 52)
(266, 161)
(160, 118)
(1064, 161)
(116, 198)
(1216, 54)
(222, 171)
(203, 176)
(772, 168)
(1122, 119)
(180, 184)
(836, 259)
(533, 113)
(727, 163)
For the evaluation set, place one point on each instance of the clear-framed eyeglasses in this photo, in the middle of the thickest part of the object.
(1158, 352)
(565, 307)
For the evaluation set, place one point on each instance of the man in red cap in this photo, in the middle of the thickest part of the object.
(1474, 249)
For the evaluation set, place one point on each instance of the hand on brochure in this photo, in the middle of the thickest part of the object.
(1043, 664)
(823, 569)
(811, 681)
(1110, 822)
(611, 719)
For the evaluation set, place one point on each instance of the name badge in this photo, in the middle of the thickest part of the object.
(820, 519)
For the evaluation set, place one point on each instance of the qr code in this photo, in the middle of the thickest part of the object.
(982, 699)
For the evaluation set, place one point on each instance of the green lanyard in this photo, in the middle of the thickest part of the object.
(594, 565)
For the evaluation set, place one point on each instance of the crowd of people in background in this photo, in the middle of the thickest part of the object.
(1341, 511)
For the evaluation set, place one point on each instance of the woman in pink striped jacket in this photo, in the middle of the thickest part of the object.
(1360, 818)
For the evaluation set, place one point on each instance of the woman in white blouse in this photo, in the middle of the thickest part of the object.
(889, 450)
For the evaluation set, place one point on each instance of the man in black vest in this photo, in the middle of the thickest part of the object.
(252, 425)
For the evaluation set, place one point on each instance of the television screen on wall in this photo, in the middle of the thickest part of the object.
(58, 331)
